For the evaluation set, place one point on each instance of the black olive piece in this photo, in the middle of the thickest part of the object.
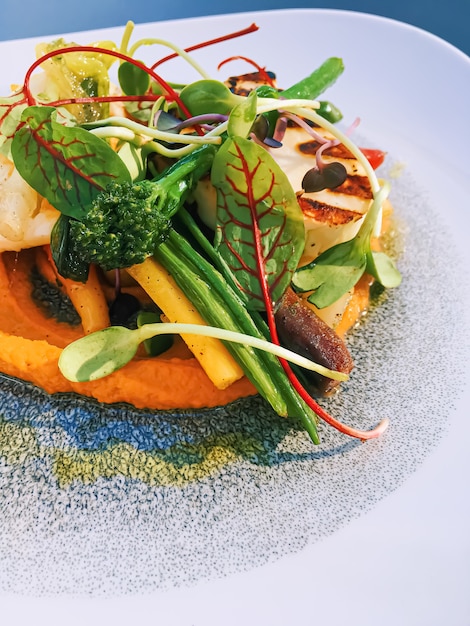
(159, 343)
(123, 309)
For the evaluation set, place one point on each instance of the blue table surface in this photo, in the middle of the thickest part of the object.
(30, 18)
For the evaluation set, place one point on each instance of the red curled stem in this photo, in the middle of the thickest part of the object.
(261, 70)
(240, 33)
(94, 49)
(363, 435)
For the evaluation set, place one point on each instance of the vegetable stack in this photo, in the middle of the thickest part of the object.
(127, 186)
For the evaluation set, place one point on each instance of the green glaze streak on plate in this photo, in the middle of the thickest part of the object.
(176, 466)
(17, 443)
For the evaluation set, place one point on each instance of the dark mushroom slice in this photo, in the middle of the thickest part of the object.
(301, 330)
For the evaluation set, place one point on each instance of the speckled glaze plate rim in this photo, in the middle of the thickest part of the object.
(385, 548)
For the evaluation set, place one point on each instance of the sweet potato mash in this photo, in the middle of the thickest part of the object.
(31, 342)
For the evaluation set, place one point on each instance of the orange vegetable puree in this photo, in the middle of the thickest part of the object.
(31, 343)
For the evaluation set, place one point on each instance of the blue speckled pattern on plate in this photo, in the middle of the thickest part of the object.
(140, 501)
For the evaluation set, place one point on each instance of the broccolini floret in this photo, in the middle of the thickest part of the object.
(127, 221)
(124, 225)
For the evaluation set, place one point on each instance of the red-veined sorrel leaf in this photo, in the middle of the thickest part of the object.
(11, 109)
(65, 164)
(260, 227)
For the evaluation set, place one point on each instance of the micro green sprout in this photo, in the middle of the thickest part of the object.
(112, 126)
(151, 41)
(99, 354)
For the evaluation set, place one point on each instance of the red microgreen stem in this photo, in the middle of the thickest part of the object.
(207, 120)
(331, 143)
(117, 282)
(363, 435)
(262, 70)
(96, 49)
(319, 153)
(240, 33)
(280, 129)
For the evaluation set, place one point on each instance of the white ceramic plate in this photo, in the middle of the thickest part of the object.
(282, 533)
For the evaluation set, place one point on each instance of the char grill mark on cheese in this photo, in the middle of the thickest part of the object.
(322, 212)
(244, 84)
(332, 215)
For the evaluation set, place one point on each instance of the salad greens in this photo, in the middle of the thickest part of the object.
(255, 197)
(104, 352)
(338, 269)
(126, 221)
(65, 164)
(123, 183)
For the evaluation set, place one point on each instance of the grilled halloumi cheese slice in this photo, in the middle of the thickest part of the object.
(331, 216)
